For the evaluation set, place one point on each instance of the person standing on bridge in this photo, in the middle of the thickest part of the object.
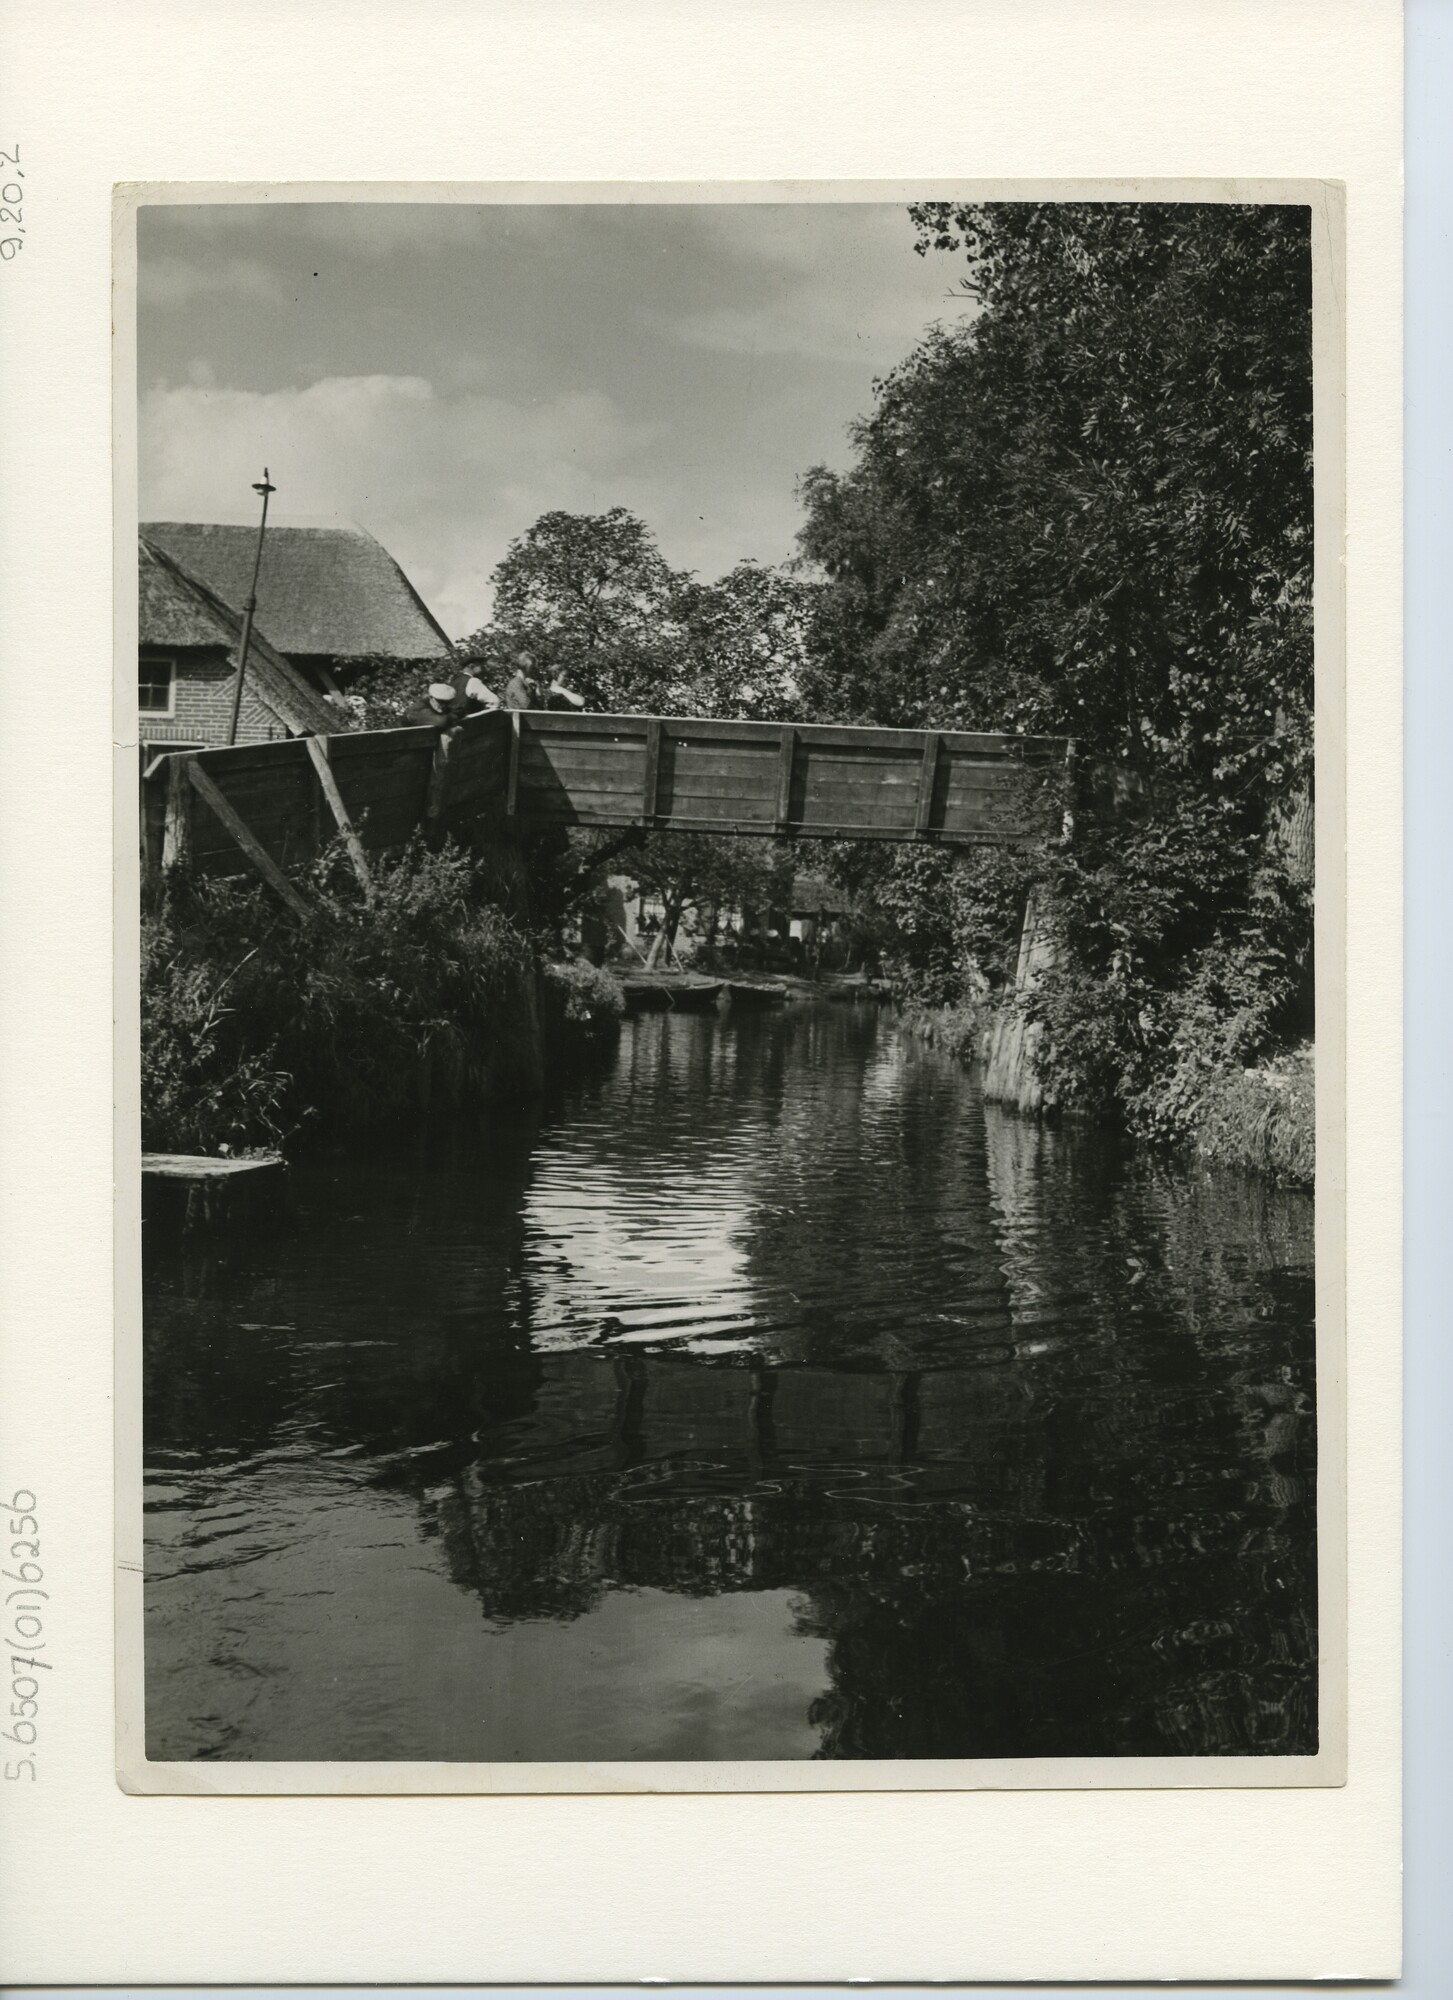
(522, 689)
(448, 703)
(472, 693)
(525, 690)
(436, 710)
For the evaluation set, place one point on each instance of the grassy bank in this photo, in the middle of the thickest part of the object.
(1263, 1119)
(1259, 1117)
(958, 1029)
(260, 1028)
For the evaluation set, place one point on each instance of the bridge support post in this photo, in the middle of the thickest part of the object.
(507, 876)
(1010, 1043)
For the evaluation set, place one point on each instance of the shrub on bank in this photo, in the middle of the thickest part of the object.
(583, 1006)
(201, 1092)
(373, 1008)
(1264, 1119)
(957, 1030)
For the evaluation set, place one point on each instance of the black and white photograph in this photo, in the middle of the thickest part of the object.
(728, 1008)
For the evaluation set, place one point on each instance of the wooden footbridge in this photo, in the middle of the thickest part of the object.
(274, 806)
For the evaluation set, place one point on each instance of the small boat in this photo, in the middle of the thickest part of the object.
(685, 990)
(757, 992)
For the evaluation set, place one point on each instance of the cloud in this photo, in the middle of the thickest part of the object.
(835, 283)
(809, 324)
(168, 282)
(445, 482)
(445, 375)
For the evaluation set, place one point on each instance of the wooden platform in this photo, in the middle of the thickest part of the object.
(194, 1190)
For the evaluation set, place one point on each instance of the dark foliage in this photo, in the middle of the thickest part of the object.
(1088, 511)
(371, 1009)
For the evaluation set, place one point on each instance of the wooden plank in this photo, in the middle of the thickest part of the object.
(318, 753)
(906, 749)
(716, 805)
(285, 826)
(614, 816)
(584, 728)
(381, 751)
(153, 823)
(849, 735)
(624, 766)
(863, 780)
(761, 787)
(788, 759)
(512, 782)
(361, 745)
(927, 781)
(536, 799)
(176, 840)
(813, 830)
(485, 750)
(438, 780)
(1003, 776)
(539, 721)
(551, 743)
(760, 769)
(402, 780)
(651, 775)
(280, 808)
(224, 764)
(253, 848)
(483, 790)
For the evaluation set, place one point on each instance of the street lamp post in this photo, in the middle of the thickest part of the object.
(264, 487)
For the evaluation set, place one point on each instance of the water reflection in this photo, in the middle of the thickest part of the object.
(771, 1397)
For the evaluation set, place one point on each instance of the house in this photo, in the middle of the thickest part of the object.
(817, 910)
(327, 598)
(187, 671)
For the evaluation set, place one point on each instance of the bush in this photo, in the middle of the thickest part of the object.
(200, 1093)
(957, 1030)
(371, 1009)
(943, 924)
(583, 1006)
(1264, 1119)
(378, 693)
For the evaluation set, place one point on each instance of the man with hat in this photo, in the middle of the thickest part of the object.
(437, 709)
(448, 703)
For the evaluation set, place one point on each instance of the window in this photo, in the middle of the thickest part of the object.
(156, 681)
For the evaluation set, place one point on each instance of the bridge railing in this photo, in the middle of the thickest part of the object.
(816, 780)
(276, 805)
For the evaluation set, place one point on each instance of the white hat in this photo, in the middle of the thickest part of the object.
(441, 691)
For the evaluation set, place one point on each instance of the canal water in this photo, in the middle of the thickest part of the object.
(764, 1395)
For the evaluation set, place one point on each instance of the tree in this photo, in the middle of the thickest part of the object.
(743, 644)
(1090, 508)
(590, 595)
(593, 598)
(1088, 512)
(708, 873)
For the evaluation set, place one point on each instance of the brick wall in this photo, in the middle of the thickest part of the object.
(203, 706)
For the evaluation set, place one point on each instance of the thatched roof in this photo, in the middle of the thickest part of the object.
(334, 591)
(174, 611)
(177, 609)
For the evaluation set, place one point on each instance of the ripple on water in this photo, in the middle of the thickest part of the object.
(767, 1396)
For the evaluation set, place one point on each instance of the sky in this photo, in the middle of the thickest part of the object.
(442, 375)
